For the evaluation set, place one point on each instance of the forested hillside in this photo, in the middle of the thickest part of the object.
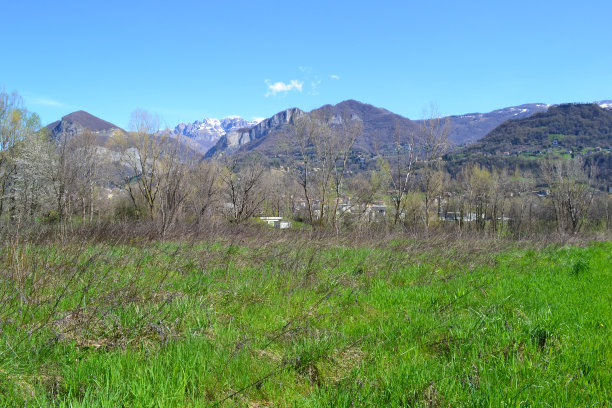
(567, 130)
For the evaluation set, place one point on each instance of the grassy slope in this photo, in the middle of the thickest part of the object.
(282, 324)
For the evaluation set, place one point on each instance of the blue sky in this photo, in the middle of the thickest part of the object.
(190, 60)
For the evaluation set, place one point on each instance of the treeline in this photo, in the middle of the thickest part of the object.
(148, 175)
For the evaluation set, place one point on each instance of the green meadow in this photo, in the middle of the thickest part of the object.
(278, 322)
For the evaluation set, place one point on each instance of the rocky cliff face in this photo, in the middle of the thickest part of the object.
(206, 133)
(237, 138)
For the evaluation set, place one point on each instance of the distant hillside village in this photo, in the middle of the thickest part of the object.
(347, 166)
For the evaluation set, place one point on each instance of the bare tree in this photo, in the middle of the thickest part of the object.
(521, 201)
(345, 131)
(243, 196)
(400, 165)
(174, 169)
(277, 185)
(142, 151)
(324, 142)
(365, 189)
(303, 131)
(433, 143)
(486, 195)
(86, 161)
(63, 177)
(204, 184)
(571, 191)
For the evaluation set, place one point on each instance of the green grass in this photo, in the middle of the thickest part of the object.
(276, 323)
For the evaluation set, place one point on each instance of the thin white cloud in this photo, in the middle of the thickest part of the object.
(46, 102)
(281, 87)
(334, 76)
(314, 86)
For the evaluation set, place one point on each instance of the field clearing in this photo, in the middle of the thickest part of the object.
(270, 322)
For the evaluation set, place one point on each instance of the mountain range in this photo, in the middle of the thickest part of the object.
(379, 125)
(212, 137)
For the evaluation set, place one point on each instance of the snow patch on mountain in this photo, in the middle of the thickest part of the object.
(605, 104)
(205, 133)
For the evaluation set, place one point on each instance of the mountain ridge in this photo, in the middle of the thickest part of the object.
(379, 126)
(238, 138)
(564, 130)
(76, 122)
(212, 137)
(565, 125)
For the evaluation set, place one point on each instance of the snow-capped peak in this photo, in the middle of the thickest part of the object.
(208, 131)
